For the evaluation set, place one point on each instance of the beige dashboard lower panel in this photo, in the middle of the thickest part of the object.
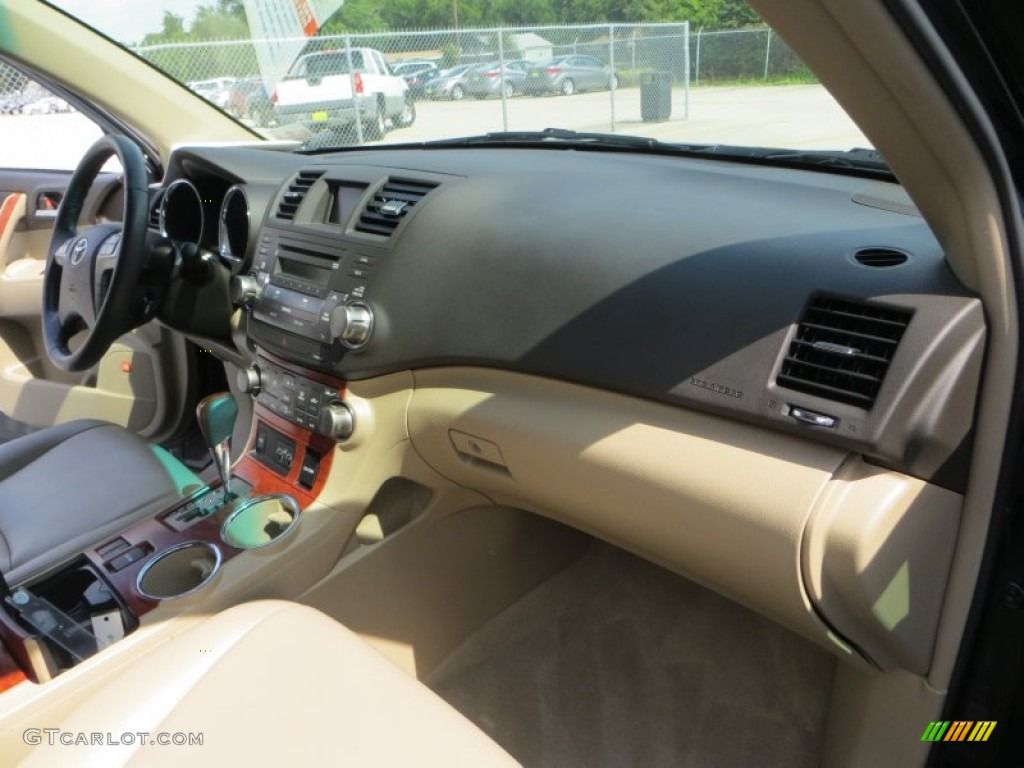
(720, 502)
(118, 396)
(831, 547)
(877, 555)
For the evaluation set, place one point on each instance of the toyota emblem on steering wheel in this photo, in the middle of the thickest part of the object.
(78, 251)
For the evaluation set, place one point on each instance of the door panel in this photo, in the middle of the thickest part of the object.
(143, 381)
(124, 387)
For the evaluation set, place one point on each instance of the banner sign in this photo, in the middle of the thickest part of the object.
(280, 29)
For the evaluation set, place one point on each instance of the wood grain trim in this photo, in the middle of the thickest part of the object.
(265, 479)
(11, 673)
(157, 536)
(13, 640)
(7, 208)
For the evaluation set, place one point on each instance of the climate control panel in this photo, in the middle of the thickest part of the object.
(298, 399)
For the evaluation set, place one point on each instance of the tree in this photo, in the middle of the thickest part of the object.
(171, 31)
(355, 16)
(231, 8)
(737, 13)
(218, 22)
(225, 19)
(423, 14)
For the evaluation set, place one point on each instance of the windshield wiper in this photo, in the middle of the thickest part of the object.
(865, 159)
(857, 159)
(569, 139)
(860, 160)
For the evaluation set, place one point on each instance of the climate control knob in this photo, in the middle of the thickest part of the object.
(352, 324)
(336, 421)
(244, 290)
(249, 380)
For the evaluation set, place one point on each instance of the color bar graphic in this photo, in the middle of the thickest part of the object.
(958, 730)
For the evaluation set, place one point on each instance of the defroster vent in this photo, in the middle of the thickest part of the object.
(390, 205)
(296, 192)
(842, 350)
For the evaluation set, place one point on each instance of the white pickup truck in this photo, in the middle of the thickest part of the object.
(318, 92)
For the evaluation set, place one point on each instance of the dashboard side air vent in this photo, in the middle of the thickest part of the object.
(154, 211)
(842, 350)
(293, 196)
(880, 257)
(390, 205)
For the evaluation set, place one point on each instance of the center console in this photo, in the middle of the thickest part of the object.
(53, 623)
(307, 306)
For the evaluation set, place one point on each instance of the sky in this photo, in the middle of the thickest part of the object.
(128, 21)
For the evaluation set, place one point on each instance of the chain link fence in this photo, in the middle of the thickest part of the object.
(630, 78)
(462, 81)
(745, 56)
(20, 95)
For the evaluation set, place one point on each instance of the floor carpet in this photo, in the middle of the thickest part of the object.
(616, 662)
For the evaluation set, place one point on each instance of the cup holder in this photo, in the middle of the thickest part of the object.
(260, 521)
(179, 571)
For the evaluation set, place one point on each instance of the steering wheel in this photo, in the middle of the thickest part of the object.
(92, 275)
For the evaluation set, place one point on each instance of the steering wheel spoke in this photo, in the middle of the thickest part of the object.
(60, 253)
(107, 256)
(74, 306)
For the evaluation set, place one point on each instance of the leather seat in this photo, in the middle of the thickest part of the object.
(270, 683)
(67, 487)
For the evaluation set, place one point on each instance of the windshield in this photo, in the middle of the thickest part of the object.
(341, 73)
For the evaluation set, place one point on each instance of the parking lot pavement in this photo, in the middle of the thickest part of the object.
(798, 116)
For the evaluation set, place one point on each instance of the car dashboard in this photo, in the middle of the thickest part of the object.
(761, 377)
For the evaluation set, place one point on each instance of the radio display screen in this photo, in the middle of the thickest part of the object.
(314, 274)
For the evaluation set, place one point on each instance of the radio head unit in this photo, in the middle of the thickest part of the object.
(311, 304)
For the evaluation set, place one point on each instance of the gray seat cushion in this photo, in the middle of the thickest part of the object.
(71, 486)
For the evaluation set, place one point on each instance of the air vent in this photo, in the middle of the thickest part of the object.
(295, 193)
(154, 211)
(842, 350)
(880, 257)
(390, 205)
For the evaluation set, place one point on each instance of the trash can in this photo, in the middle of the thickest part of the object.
(655, 96)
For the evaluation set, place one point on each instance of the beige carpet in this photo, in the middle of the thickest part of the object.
(616, 662)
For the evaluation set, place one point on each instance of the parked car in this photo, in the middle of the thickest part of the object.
(239, 93)
(318, 92)
(259, 107)
(56, 105)
(448, 84)
(416, 74)
(494, 80)
(12, 105)
(214, 90)
(40, 106)
(568, 75)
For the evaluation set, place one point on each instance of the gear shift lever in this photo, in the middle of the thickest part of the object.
(216, 415)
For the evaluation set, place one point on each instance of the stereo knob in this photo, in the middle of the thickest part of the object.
(244, 290)
(249, 380)
(336, 421)
(352, 324)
